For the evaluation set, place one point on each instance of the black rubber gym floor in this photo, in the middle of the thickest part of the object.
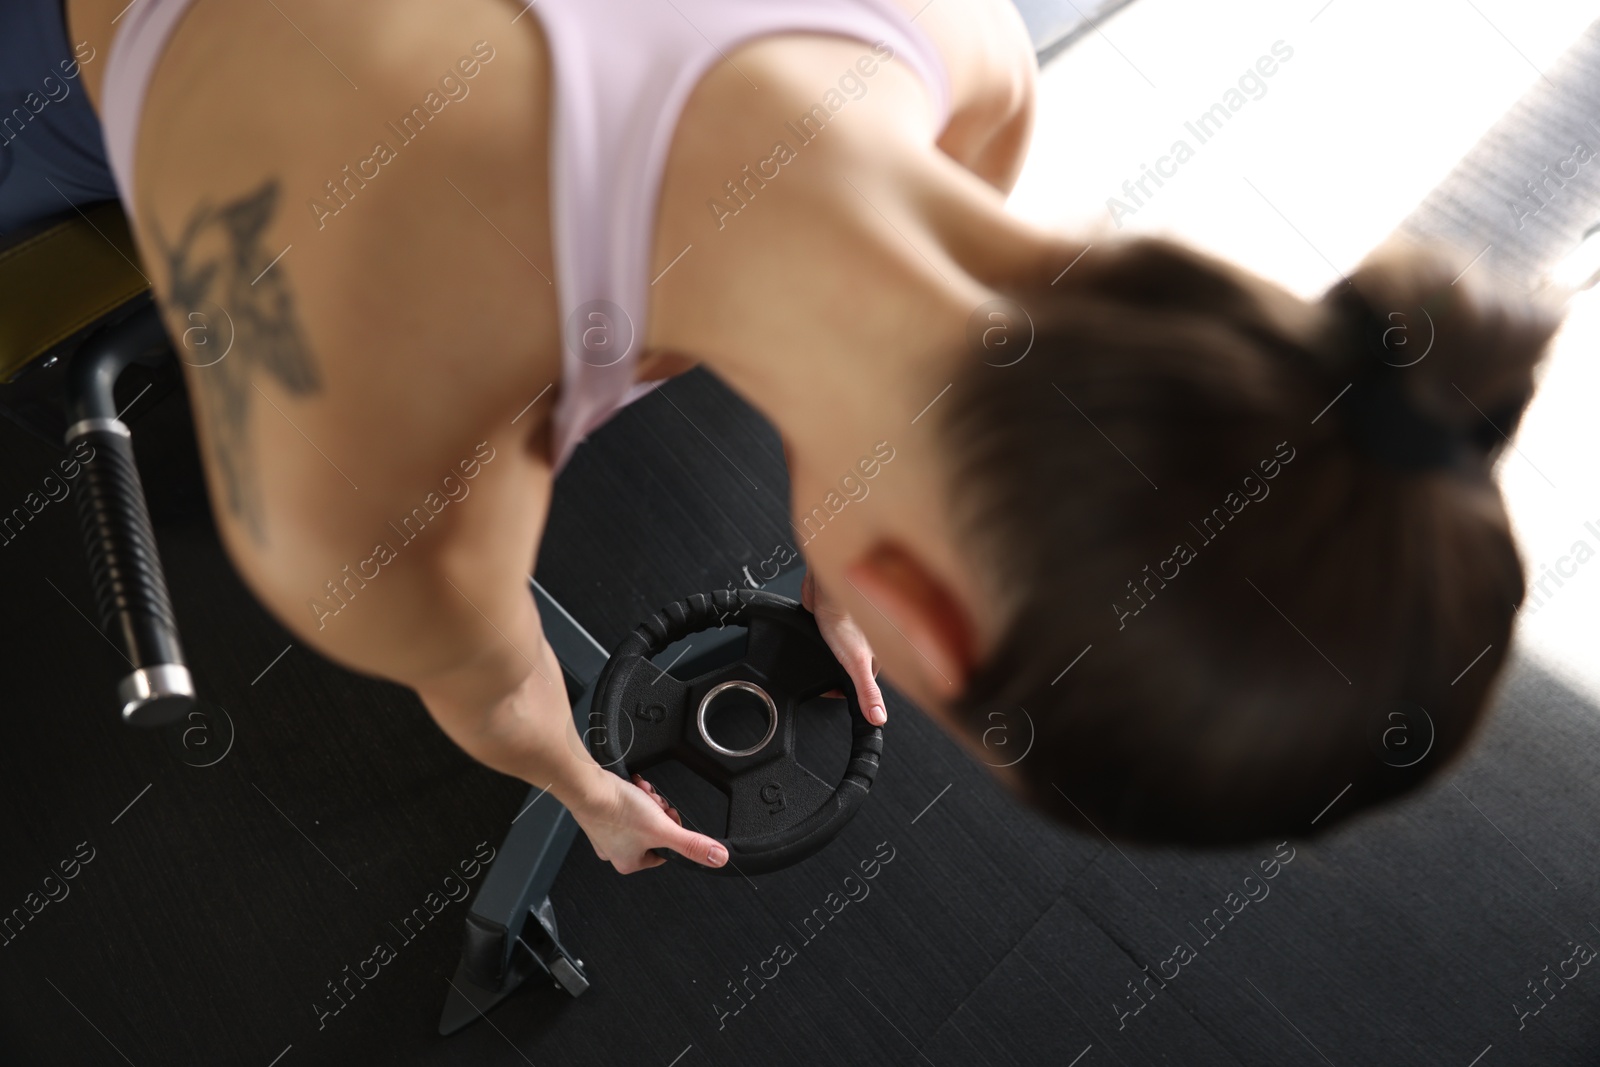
(223, 880)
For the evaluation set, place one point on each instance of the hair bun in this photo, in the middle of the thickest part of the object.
(1440, 367)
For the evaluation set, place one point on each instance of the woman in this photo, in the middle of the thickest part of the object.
(442, 243)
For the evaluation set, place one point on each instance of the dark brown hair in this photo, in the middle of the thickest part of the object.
(1272, 612)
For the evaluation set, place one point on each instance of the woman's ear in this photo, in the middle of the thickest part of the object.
(926, 614)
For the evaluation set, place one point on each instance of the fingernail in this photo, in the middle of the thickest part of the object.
(719, 855)
(879, 715)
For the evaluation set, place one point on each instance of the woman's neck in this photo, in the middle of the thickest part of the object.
(851, 314)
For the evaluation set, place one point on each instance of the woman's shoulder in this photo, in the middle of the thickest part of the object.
(992, 68)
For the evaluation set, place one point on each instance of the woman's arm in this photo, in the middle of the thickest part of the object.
(993, 71)
(527, 731)
(399, 561)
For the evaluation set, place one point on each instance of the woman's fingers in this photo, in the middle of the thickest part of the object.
(660, 800)
(698, 847)
(650, 791)
(706, 851)
(633, 826)
(849, 646)
(867, 691)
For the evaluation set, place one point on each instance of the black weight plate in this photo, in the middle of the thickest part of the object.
(779, 813)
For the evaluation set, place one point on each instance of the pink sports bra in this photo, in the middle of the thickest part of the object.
(622, 71)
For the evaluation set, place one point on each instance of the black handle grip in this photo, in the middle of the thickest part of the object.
(129, 587)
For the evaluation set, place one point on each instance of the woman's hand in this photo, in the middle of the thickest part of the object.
(626, 820)
(849, 647)
(530, 734)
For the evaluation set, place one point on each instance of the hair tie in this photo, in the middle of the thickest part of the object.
(1378, 414)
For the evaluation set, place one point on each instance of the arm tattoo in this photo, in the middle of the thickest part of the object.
(218, 272)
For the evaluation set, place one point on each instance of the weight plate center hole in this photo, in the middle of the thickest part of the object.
(737, 718)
